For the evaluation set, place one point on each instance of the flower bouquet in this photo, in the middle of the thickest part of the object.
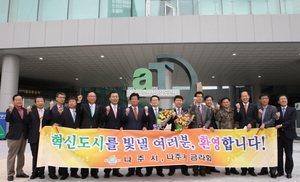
(183, 120)
(163, 117)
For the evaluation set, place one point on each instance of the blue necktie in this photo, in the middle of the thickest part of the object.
(92, 110)
(283, 111)
(263, 114)
(155, 112)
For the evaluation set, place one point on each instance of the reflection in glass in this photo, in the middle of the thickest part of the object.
(23, 10)
(53, 10)
(236, 7)
(265, 7)
(208, 7)
(115, 8)
(79, 9)
(290, 6)
(138, 8)
(4, 10)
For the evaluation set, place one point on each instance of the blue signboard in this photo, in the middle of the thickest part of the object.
(2, 125)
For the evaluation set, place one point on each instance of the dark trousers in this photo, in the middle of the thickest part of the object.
(85, 171)
(64, 171)
(197, 169)
(287, 145)
(51, 170)
(184, 169)
(137, 170)
(107, 170)
(265, 170)
(34, 151)
(159, 170)
(250, 169)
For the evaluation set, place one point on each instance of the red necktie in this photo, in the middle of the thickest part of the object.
(135, 113)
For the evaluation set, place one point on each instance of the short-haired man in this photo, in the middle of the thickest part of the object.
(135, 120)
(246, 114)
(202, 119)
(152, 119)
(266, 119)
(16, 137)
(285, 123)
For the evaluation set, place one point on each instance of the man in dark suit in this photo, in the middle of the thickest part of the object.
(152, 118)
(208, 99)
(55, 121)
(202, 119)
(266, 119)
(135, 120)
(70, 119)
(113, 120)
(91, 116)
(285, 123)
(178, 101)
(16, 137)
(246, 114)
(37, 119)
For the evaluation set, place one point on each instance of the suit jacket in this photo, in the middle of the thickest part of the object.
(171, 121)
(112, 122)
(213, 120)
(136, 124)
(86, 119)
(56, 118)
(67, 119)
(206, 116)
(288, 122)
(152, 118)
(33, 119)
(245, 118)
(17, 126)
(270, 115)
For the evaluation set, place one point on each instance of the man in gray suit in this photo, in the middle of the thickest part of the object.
(202, 119)
(266, 119)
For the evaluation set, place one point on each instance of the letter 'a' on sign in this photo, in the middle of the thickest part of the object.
(142, 79)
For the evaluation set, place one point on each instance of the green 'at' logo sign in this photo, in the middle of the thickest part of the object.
(2, 134)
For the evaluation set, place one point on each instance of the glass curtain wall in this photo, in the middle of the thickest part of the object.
(79, 9)
(53, 10)
(23, 10)
(4, 4)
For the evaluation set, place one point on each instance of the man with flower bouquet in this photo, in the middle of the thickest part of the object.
(202, 119)
(154, 124)
(178, 110)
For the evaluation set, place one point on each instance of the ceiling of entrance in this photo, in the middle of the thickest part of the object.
(276, 63)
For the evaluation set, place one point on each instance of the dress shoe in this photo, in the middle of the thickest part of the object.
(289, 176)
(106, 175)
(118, 174)
(63, 177)
(273, 175)
(261, 173)
(22, 176)
(10, 178)
(75, 176)
(202, 173)
(186, 173)
(41, 176)
(33, 176)
(227, 172)
(195, 174)
(83, 176)
(252, 173)
(171, 173)
(129, 174)
(139, 174)
(95, 176)
(161, 174)
(234, 171)
(207, 170)
(148, 174)
(279, 174)
(244, 173)
(53, 176)
(214, 170)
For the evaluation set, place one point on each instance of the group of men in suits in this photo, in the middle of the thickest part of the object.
(27, 123)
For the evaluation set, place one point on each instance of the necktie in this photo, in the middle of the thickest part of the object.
(246, 108)
(283, 111)
(178, 111)
(41, 117)
(155, 112)
(74, 115)
(135, 113)
(200, 117)
(115, 111)
(263, 114)
(92, 110)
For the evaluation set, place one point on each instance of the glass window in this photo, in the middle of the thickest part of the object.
(186, 7)
(4, 10)
(79, 9)
(23, 10)
(53, 10)
(236, 7)
(265, 7)
(290, 6)
(115, 8)
(157, 8)
(208, 7)
(138, 8)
